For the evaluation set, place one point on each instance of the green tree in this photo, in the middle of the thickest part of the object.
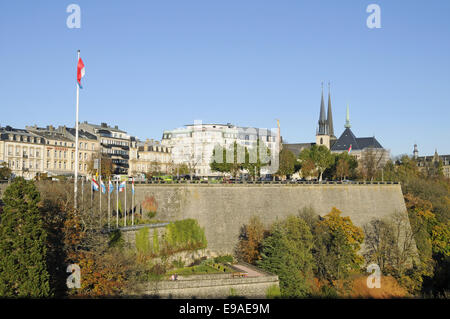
(5, 171)
(319, 155)
(256, 157)
(287, 253)
(23, 251)
(287, 162)
(344, 166)
(232, 160)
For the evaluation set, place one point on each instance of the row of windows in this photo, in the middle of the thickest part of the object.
(25, 165)
(64, 165)
(25, 151)
(114, 142)
(63, 154)
(29, 139)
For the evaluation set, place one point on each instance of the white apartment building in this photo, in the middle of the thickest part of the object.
(194, 144)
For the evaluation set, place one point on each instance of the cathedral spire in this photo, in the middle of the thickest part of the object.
(330, 114)
(322, 120)
(347, 119)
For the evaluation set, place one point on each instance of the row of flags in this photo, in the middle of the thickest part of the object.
(96, 186)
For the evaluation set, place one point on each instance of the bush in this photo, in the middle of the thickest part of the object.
(142, 241)
(185, 234)
(273, 292)
(224, 259)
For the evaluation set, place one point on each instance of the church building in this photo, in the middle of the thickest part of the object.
(347, 142)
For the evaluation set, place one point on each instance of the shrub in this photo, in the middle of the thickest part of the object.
(142, 241)
(273, 292)
(185, 234)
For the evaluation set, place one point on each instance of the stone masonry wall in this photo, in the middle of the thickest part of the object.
(224, 208)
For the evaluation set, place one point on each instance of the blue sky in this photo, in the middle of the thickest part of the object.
(156, 65)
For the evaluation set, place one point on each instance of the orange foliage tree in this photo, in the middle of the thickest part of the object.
(251, 237)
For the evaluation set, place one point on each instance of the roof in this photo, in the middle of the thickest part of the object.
(296, 148)
(81, 133)
(347, 138)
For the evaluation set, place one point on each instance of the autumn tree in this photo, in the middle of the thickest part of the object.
(250, 240)
(23, 251)
(337, 242)
(106, 164)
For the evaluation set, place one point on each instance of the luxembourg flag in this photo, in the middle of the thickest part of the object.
(122, 186)
(110, 187)
(94, 185)
(103, 187)
(132, 186)
(80, 71)
(350, 149)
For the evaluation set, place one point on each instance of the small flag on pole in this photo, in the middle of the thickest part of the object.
(95, 186)
(103, 187)
(80, 71)
(132, 186)
(350, 149)
(122, 186)
(110, 186)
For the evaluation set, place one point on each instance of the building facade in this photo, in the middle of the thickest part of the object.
(426, 162)
(149, 156)
(113, 142)
(193, 144)
(22, 151)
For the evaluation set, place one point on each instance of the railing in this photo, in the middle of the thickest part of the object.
(196, 182)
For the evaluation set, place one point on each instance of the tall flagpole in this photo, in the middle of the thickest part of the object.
(125, 210)
(75, 190)
(132, 201)
(100, 187)
(109, 204)
(117, 207)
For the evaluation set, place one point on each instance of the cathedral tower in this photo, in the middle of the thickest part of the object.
(323, 132)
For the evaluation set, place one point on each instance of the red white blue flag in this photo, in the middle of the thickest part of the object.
(350, 148)
(122, 186)
(80, 71)
(95, 186)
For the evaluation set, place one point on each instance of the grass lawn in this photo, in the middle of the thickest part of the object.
(200, 270)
